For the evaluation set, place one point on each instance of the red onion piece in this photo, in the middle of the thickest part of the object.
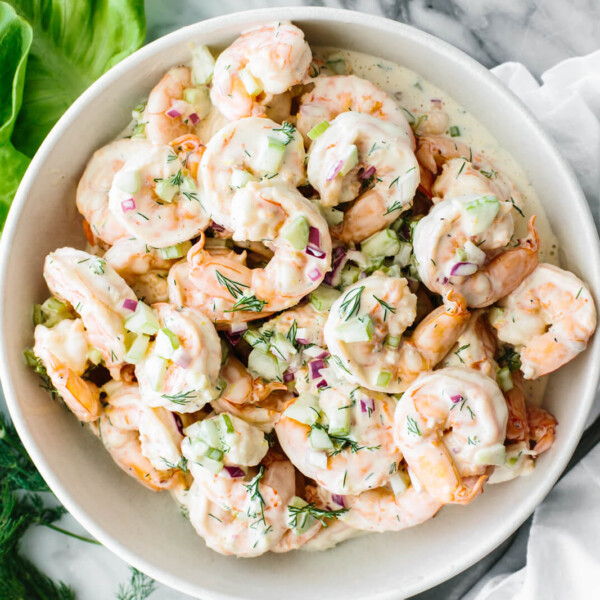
(288, 376)
(335, 170)
(128, 205)
(315, 251)
(456, 398)
(194, 118)
(322, 384)
(463, 269)
(172, 113)
(368, 173)
(130, 304)
(339, 500)
(339, 260)
(315, 368)
(367, 405)
(234, 472)
(314, 275)
(233, 338)
(302, 341)
(178, 422)
(217, 227)
(436, 101)
(314, 237)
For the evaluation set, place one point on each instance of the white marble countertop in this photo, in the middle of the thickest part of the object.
(538, 33)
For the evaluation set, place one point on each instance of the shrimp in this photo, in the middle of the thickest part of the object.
(542, 428)
(188, 379)
(243, 516)
(97, 294)
(272, 213)
(94, 185)
(460, 245)
(365, 327)
(167, 115)
(243, 151)
(263, 62)
(63, 350)
(155, 199)
(332, 96)
(364, 158)
(550, 318)
(463, 173)
(382, 510)
(142, 267)
(351, 462)
(447, 426)
(144, 442)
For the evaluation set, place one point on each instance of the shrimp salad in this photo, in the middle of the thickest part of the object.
(313, 300)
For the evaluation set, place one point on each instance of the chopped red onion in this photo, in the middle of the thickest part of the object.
(462, 269)
(335, 170)
(315, 368)
(194, 118)
(173, 113)
(234, 472)
(302, 341)
(456, 398)
(233, 337)
(315, 251)
(436, 101)
(314, 275)
(178, 422)
(128, 205)
(130, 304)
(322, 384)
(288, 376)
(443, 280)
(367, 405)
(339, 500)
(339, 260)
(314, 237)
(368, 173)
(217, 227)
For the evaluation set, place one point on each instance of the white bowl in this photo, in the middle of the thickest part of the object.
(146, 529)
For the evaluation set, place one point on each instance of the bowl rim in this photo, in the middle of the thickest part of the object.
(242, 20)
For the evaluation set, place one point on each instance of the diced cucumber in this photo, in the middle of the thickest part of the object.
(264, 365)
(392, 341)
(494, 455)
(350, 160)
(399, 482)
(305, 409)
(323, 297)
(357, 329)
(319, 440)
(250, 82)
(95, 356)
(165, 191)
(461, 255)
(199, 99)
(333, 216)
(350, 275)
(299, 522)
(196, 449)
(272, 155)
(166, 343)
(203, 65)
(143, 320)
(176, 251)
(215, 454)
(296, 233)
(318, 129)
(504, 379)
(240, 178)
(480, 213)
(214, 466)
(256, 340)
(391, 271)
(127, 180)
(157, 369)
(53, 311)
(383, 378)
(339, 421)
(137, 350)
(282, 348)
(382, 243)
(402, 258)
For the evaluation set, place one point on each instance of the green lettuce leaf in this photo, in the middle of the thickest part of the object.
(15, 40)
(74, 42)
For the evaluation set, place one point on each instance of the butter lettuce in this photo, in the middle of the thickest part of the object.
(52, 50)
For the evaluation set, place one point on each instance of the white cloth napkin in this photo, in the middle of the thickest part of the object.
(562, 552)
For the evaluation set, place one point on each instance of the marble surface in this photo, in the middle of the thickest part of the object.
(538, 33)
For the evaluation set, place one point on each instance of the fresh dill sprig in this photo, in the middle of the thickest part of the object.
(351, 303)
(233, 287)
(248, 303)
(180, 398)
(385, 307)
(140, 587)
(288, 130)
(310, 510)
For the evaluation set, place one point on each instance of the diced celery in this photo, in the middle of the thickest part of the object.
(357, 329)
(157, 369)
(495, 315)
(350, 275)
(54, 311)
(494, 455)
(176, 251)
(350, 160)
(504, 379)
(95, 356)
(319, 440)
(256, 340)
(480, 213)
(333, 216)
(250, 82)
(240, 178)
(143, 320)
(227, 424)
(137, 350)
(318, 129)
(323, 297)
(296, 233)
(281, 348)
(399, 482)
(166, 343)
(38, 315)
(305, 409)
(402, 258)
(203, 65)
(127, 180)
(215, 454)
(339, 421)
(392, 341)
(299, 522)
(391, 271)
(197, 449)
(461, 255)
(264, 365)
(165, 191)
(383, 243)
(383, 378)
(272, 155)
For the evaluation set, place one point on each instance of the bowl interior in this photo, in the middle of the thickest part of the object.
(146, 529)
